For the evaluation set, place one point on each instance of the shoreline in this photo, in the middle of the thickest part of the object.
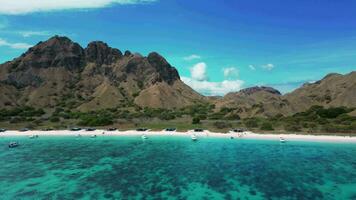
(246, 135)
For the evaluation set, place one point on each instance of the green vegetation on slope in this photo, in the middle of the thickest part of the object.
(314, 120)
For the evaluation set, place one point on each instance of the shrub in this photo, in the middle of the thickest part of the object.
(95, 120)
(292, 127)
(54, 119)
(195, 120)
(251, 123)
(331, 112)
(266, 126)
(222, 125)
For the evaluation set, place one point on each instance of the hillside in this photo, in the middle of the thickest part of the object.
(334, 90)
(60, 73)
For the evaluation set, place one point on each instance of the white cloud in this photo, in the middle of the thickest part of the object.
(192, 57)
(214, 88)
(34, 33)
(199, 81)
(268, 67)
(18, 45)
(252, 67)
(198, 72)
(231, 72)
(18, 7)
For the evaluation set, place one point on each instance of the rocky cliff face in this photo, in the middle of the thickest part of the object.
(59, 72)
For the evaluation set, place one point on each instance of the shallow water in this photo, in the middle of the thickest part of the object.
(175, 168)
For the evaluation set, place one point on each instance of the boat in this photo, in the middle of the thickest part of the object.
(144, 137)
(33, 136)
(24, 129)
(75, 129)
(282, 140)
(93, 136)
(142, 129)
(170, 129)
(13, 144)
(90, 129)
(194, 137)
(47, 129)
(2, 130)
(198, 130)
(237, 130)
(111, 129)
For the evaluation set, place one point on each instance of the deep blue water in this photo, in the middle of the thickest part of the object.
(175, 168)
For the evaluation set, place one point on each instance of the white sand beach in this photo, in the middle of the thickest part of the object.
(204, 134)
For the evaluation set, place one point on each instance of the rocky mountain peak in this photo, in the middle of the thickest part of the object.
(56, 52)
(100, 53)
(166, 71)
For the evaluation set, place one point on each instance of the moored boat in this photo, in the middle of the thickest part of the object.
(194, 137)
(282, 140)
(13, 144)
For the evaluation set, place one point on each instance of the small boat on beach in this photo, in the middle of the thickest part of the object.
(90, 129)
(142, 129)
(198, 130)
(13, 144)
(237, 130)
(24, 129)
(75, 129)
(2, 130)
(194, 137)
(170, 129)
(111, 129)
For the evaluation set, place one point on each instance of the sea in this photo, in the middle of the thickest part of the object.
(175, 167)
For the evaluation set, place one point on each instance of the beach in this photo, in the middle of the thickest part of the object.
(204, 134)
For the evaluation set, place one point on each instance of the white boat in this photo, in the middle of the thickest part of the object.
(144, 137)
(282, 140)
(93, 136)
(13, 144)
(33, 136)
(194, 137)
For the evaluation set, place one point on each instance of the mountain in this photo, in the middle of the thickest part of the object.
(59, 72)
(333, 90)
(254, 101)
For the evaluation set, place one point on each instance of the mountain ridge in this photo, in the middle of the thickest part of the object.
(60, 73)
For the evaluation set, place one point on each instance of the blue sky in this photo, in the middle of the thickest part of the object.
(217, 46)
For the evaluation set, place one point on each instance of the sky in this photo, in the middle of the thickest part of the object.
(217, 46)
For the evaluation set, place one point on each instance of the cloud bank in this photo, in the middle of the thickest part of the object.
(268, 67)
(192, 57)
(199, 81)
(18, 7)
(17, 45)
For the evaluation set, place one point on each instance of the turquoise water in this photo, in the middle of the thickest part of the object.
(175, 168)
